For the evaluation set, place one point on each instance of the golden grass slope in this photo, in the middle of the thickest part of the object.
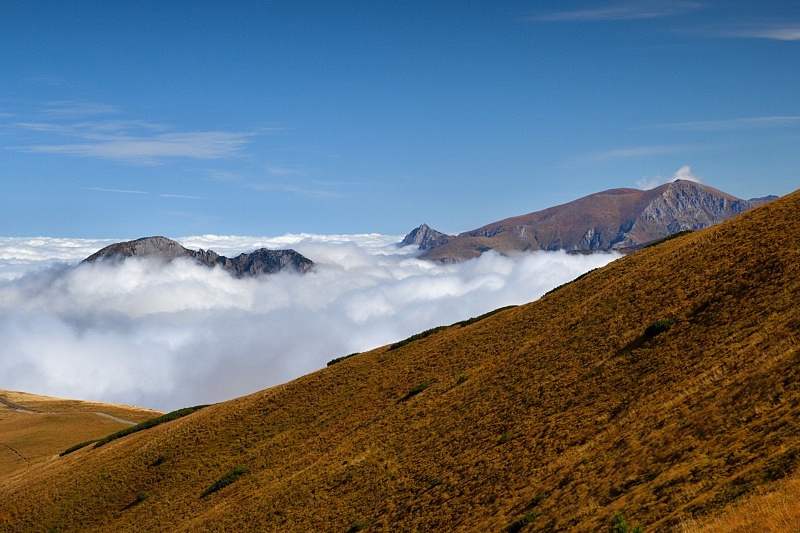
(35, 428)
(545, 417)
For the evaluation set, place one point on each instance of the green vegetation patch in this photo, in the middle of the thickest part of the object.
(619, 524)
(528, 518)
(472, 320)
(358, 526)
(147, 424)
(232, 475)
(555, 289)
(437, 329)
(668, 238)
(418, 336)
(416, 389)
(658, 327)
(342, 358)
(77, 447)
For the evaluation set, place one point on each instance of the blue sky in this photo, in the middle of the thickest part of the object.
(126, 119)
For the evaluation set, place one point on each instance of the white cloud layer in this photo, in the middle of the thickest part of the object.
(683, 173)
(171, 335)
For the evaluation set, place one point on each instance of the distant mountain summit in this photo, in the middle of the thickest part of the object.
(261, 261)
(425, 237)
(617, 219)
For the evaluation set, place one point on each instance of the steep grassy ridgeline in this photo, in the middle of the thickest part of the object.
(35, 428)
(548, 416)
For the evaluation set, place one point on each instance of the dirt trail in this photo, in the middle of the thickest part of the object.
(116, 418)
(21, 409)
(27, 462)
(16, 407)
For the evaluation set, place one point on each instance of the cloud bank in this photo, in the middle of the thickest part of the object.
(170, 335)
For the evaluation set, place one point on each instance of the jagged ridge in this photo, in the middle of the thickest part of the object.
(261, 261)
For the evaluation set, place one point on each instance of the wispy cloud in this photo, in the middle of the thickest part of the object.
(775, 33)
(141, 149)
(683, 173)
(75, 108)
(115, 191)
(293, 188)
(623, 11)
(132, 191)
(286, 170)
(640, 151)
(57, 130)
(289, 180)
(181, 196)
(746, 123)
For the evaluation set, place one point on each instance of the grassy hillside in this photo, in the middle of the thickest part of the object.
(34, 428)
(665, 386)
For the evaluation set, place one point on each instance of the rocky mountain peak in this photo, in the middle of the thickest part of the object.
(617, 219)
(425, 238)
(158, 246)
(259, 262)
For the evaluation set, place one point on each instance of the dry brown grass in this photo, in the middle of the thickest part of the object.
(565, 397)
(49, 404)
(774, 512)
(30, 438)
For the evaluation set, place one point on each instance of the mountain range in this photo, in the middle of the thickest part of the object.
(617, 219)
(662, 389)
(256, 263)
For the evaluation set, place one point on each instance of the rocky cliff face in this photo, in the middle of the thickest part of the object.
(616, 219)
(262, 261)
(682, 205)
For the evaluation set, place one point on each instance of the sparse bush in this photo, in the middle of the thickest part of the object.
(140, 497)
(539, 498)
(342, 358)
(358, 526)
(147, 424)
(231, 476)
(461, 379)
(472, 320)
(418, 336)
(77, 447)
(416, 389)
(524, 520)
(429, 332)
(668, 238)
(160, 460)
(659, 326)
(619, 524)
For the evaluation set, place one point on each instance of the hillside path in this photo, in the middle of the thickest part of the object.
(116, 418)
(16, 407)
(21, 409)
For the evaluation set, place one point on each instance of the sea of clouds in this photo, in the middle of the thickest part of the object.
(169, 335)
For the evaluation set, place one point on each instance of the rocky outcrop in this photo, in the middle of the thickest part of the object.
(259, 262)
(682, 205)
(617, 219)
(425, 238)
